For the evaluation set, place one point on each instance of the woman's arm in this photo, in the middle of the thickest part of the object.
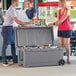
(66, 13)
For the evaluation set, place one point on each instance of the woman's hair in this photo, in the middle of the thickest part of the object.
(64, 2)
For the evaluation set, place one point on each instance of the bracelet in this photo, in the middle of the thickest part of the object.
(54, 23)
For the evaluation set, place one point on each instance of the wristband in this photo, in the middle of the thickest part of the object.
(54, 23)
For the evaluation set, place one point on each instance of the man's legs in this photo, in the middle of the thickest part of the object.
(4, 47)
(13, 51)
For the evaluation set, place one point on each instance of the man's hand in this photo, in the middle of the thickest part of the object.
(21, 22)
(30, 22)
(27, 23)
(50, 25)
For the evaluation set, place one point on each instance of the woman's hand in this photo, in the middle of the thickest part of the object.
(50, 25)
(57, 22)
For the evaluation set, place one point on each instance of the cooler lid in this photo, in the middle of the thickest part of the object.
(33, 36)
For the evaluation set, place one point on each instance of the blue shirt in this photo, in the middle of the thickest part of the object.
(30, 13)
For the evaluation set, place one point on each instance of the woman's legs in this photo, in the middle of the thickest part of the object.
(61, 41)
(67, 45)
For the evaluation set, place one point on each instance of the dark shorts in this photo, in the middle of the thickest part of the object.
(65, 34)
(8, 34)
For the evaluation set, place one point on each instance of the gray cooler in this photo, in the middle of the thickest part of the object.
(34, 56)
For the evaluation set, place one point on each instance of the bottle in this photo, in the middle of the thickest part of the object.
(40, 23)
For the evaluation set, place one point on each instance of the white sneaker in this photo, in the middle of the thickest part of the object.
(5, 64)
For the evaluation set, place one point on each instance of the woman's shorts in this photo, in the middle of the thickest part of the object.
(65, 34)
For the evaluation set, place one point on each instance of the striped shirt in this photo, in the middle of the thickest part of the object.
(11, 13)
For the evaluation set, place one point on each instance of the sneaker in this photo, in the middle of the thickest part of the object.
(14, 62)
(5, 64)
(75, 54)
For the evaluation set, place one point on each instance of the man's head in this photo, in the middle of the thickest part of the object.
(15, 2)
(30, 3)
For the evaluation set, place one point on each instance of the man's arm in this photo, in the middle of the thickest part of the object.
(13, 15)
(21, 22)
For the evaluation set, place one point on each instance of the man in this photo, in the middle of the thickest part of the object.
(1, 14)
(8, 31)
(31, 11)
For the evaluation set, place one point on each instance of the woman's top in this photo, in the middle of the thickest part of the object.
(66, 24)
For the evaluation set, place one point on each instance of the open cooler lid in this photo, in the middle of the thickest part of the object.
(33, 36)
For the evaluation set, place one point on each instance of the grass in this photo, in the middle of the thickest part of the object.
(73, 13)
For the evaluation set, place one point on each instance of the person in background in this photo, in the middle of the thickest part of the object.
(31, 11)
(73, 40)
(8, 31)
(1, 14)
(64, 28)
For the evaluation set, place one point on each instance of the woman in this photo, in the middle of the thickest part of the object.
(31, 11)
(64, 28)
